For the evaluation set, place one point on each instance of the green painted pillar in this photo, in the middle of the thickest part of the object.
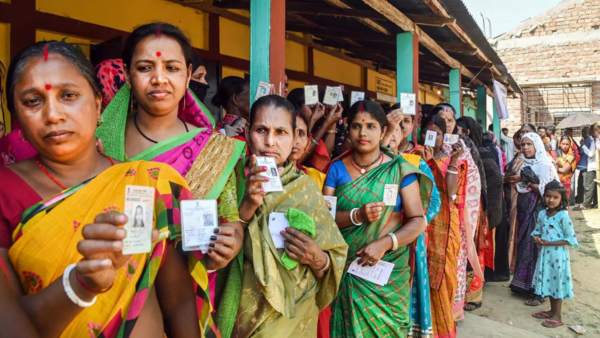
(260, 38)
(456, 91)
(496, 121)
(407, 63)
(481, 106)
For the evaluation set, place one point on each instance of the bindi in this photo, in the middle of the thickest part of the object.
(48, 87)
(158, 54)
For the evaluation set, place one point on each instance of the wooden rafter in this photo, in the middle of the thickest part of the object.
(458, 48)
(368, 22)
(402, 21)
(325, 10)
(436, 21)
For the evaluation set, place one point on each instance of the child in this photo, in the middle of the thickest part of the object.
(553, 232)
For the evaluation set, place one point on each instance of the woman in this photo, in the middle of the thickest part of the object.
(75, 227)
(13, 321)
(111, 78)
(524, 208)
(447, 112)
(301, 147)
(233, 94)
(198, 84)
(420, 297)
(156, 118)
(322, 139)
(269, 298)
(373, 230)
(444, 231)
(566, 162)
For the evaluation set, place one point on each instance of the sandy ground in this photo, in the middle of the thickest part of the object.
(504, 314)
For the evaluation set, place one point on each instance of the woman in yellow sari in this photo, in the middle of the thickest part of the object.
(566, 162)
(67, 265)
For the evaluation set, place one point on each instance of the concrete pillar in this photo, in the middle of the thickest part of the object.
(481, 106)
(496, 121)
(407, 63)
(456, 91)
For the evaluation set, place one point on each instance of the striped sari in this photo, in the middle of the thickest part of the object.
(362, 308)
(45, 243)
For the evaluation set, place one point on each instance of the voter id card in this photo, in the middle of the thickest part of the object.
(311, 95)
(277, 224)
(430, 138)
(450, 138)
(272, 173)
(331, 96)
(390, 194)
(198, 223)
(139, 208)
(331, 202)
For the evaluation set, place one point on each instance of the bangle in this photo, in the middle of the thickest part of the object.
(394, 241)
(352, 214)
(315, 142)
(244, 222)
(332, 131)
(453, 166)
(452, 172)
(85, 286)
(327, 263)
(71, 293)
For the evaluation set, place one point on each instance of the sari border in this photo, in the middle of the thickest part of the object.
(239, 148)
(159, 148)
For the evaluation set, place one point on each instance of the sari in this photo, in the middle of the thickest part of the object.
(271, 299)
(45, 243)
(420, 299)
(525, 207)
(567, 157)
(362, 308)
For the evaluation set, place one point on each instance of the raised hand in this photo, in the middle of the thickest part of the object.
(254, 190)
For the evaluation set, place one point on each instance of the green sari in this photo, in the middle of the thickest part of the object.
(271, 299)
(362, 308)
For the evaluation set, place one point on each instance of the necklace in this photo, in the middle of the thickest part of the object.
(146, 137)
(363, 167)
(39, 163)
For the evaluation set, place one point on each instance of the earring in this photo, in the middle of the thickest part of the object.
(131, 102)
(100, 121)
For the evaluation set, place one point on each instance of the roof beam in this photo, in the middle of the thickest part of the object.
(436, 21)
(330, 11)
(368, 22)
(402, 21)
(458, 48)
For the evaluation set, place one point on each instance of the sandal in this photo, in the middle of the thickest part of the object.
(535, 301)
(541, 315)
(472, 306)
(552, 324)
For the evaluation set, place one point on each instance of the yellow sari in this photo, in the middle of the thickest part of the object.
(45, 243)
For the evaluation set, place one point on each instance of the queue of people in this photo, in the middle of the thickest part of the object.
(441, 218)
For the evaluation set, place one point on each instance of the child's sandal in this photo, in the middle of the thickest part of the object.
(541, 315)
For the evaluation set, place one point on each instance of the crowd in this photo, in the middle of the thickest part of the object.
(361, 191)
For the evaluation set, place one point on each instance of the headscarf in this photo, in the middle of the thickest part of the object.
(540, 164)
(111, 78)
(568, 156)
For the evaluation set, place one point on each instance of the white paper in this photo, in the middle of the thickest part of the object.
(277, 224)
(430, 138)
(331, 204)
(340, 94)
(390, 194)
(139, 208)
(272, 173)
(331, 96)
(450, 138)
(198, 222)
(408, 103)
(378, 274)
(264, 89)
(311, 95)
(355, 97)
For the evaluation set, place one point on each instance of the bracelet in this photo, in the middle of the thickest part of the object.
(394, 241)
(244, 222)
(315, 142)
(454, 172)
(332, 131)
(352, 214)
(453, 166)
(85, 286)
(327, 263)
(71, 293)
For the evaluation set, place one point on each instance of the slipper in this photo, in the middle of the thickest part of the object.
(535, 302)
(552, 324)
(474, 306)
(541, 315)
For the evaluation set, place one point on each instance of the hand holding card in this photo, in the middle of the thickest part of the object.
(430, 138)
(139, 208)
(254, 189)
(273, 182)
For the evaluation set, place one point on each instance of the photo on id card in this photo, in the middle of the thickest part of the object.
(139, 208)
(198, 223)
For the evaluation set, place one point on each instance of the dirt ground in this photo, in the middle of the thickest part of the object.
(500, 305)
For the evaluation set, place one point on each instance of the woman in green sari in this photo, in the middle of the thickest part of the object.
(273, 300)
(373, 230)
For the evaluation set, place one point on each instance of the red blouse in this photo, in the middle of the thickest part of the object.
(16, 196)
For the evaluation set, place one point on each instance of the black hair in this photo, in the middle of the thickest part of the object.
(426, 109)
(301, 115)
(585, 129)
(476, 130)
(227, 87)
(533, 128)
(559, 188)
(156, 29)
(552, 129)
(503, 129)
(566, 137)
(196, 62)
(397, 106)
(73, 55)
(372, 108)
(491, 126)
(275, 101)
(435, 120)
(541, 127)
(296, 97)
(463, 123)
(442, 107)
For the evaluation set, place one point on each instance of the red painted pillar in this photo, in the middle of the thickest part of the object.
(277, 47)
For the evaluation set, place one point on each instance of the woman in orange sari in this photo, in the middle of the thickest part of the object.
(443, 232)
(566, 162)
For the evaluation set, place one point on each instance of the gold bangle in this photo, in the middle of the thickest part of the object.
(244, 222)
(327, 263)
(332, 131)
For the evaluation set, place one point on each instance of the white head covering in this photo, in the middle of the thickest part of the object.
(541, 164)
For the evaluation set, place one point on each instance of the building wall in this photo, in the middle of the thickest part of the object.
(4, 58)
(557, 48)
